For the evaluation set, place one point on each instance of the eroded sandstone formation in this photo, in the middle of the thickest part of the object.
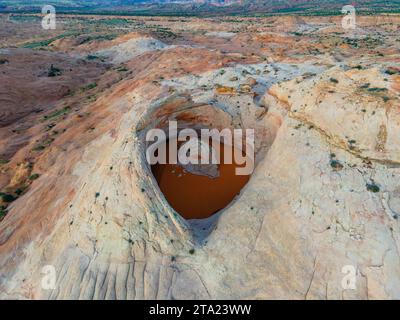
(324, 195)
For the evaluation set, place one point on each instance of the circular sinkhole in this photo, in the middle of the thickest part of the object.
(197, 191)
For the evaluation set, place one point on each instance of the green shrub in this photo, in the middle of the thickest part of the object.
(54, 72)
(391, 71)
(34, 176)
(19, 191)
(90, 86)
(376, 89)
(39, 147)
(6, 197)
(92, 57)
(3, 213)
(57, 113)
(335, 164)
(372, 187)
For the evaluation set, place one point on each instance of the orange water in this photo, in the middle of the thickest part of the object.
(196, 196)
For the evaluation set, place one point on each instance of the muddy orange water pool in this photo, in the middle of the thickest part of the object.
(196, 196)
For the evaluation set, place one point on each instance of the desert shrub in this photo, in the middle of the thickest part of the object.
(372, 187)
(6, 197)
(89, 87)
(53, 71)
(92, 57)
(335, 164)
(19, 191)
(33, 176)
(376, 89)
(57, 113)
(39, 147)
(3, 213)
(391, 71)
(122, 69)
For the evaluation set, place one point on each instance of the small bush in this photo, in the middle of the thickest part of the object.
(57, 113)
(3, 213)
(89, 87)
(33, 176)
(335, 164)
(122, 69)
(372, 187)
(377, 89)
(53, 72)
(19, 191)
(39, 147)
(392, 71)
(92, 57)
(6, 197)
